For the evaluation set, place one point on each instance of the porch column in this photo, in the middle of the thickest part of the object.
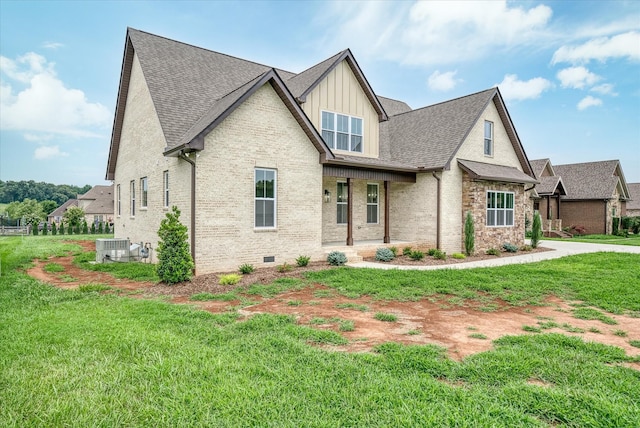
(387, 238)
(558, 217)
(349, 211)
(548, 207)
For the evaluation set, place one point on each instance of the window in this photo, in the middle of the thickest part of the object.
(372, 203)
(165, 181)
(342, 195)
(500, 208)
(488, 138)
(143, 192)
(133, 198)
(119, 204)
(265, 198)
(342, 132)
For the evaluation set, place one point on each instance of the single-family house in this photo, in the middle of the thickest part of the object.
(97, 204)
(267, 165)
(583, 197)
(56, 215)
(633, 204)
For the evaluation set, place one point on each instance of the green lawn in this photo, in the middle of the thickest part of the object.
(602, 239)
(73, 358)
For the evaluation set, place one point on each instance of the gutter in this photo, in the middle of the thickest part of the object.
(437, 211)
(184, 157)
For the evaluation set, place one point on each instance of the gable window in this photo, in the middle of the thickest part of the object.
(133, 198)
(165, 189)
(265, 197)
(488, 138)
(500, 208)
(342, 132)
(119, 201)
(143, 192)
(372, 203)
(342, 194)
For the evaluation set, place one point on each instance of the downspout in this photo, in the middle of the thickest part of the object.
(437, 211)
(193, 204)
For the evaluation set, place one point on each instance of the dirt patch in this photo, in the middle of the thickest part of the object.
(462, 329)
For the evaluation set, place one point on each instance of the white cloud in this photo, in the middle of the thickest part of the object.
(48, 152)
(589, 101)
(513, 89)
(625, 45)
(443, 81)
(604, 89)
(37, 137)
(45, 104)
(577, 77)
(52, 45)
(433, 32)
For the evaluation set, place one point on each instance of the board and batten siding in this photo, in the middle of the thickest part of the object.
(340, 92)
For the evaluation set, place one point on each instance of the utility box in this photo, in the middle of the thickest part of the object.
(112, 250)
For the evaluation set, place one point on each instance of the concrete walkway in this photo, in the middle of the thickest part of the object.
(559, 249)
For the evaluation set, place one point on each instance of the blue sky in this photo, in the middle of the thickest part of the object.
(569, 70)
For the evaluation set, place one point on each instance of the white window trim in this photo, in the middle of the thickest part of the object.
(274, 199)
(132, 206)
(144, 193)
(165, 189)
(119, 192)
(338, 203)
(491, 140)
(376, 204)
(335, 131)
(495, 210)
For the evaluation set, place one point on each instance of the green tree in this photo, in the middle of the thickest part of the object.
(61, 228)
(106, 227)
(100, 227)
(74, 216)
(85, 227)
(93, 228)
(29, 210)
(48, 206)
(45, 228)
(175, 263)
(69, 229)
(54, 228)
(536, 230)
(469, 235)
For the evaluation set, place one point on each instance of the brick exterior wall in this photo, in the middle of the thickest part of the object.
(474, 199)
(589, 214)
(412, 210)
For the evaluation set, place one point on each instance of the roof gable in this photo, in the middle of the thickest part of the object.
(593, 180)
(634, 194)
(542, 168)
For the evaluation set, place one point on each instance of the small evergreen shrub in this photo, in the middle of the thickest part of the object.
(416, 255)
(458, 256)
(246, 268)
(526, 248)
(34, 229)
(61, 229)
(69, 229)
(384, 254)
(616, 225)
(406, 251)
(54, 228)
(230, 279)
(174, 258)
(106, 228)
(536, 230)
(469, 235)
(440, 255)
(394, 250)
(93, 228)
(336, 258)
(76, 230)
(510, 248)
(100, 228)
(85, 228)
(432, 252)
(284, 267)
(302, 261)
(45, 229)
(493, 252)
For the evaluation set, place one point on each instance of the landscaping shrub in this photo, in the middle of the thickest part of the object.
(284, 267)
(432, 252)
(54, 228)
(384, 254)
(45, 229)
(100, 227)
(536, 230)
(616, 225)
(61, 229)
(302, 261)
(416, 255)
(394, 250)
(85, 228)
(230, 279)
(246, 268)
(469, 235)
(510, 248)
(93, 228)
(440, 255)
(526, 248)
(336, 258)
(458, 256)
(106, 228)
(174, 259)
(493, 252)
(34, 229)
(406, 251)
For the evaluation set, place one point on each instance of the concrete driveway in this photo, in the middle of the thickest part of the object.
(561, 249)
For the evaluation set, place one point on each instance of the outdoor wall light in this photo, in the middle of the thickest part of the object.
(327, 196)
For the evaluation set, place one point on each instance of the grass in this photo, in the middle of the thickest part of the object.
(203, 297)
(354, 306)
(478, 336)
(633, 240)
(53, 267)
(70, 358)
(381, 316)
(593, 314)
(136, 271)
(94, 288)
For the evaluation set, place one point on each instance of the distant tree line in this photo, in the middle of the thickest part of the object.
(17, 191)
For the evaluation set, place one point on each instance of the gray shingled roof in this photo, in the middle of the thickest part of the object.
(102, 200)
(492, 172)
(549, 184)
(634, 194)
(299, 83)
(591, 180)
(393, 107)
(538, 166)
(59, 212)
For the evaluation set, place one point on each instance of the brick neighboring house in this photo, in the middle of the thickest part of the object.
(587, 194)
(57, 214)
(633, 204)
(267, 165)
(97, 204)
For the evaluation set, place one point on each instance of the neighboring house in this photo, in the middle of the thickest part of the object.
(97, 204)
(633, 204)
(267, 165)
(57, 214)
(583, 195)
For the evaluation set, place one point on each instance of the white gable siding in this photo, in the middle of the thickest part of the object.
(340, 92)
(140, 155)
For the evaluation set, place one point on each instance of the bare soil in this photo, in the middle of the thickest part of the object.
(426, 321)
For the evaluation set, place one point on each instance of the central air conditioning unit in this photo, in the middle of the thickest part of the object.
(112, 250)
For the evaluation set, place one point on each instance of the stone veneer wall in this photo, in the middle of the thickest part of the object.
(474, 199)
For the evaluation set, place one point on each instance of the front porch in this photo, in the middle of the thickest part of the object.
(367, 248)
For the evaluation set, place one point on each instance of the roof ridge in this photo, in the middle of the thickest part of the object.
(317, 64)
(585, 163)
(446, 101)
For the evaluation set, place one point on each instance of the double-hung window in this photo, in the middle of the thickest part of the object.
(165, 189)
(144, 191)
(342, 193)
(133, 198)
(500, 208)
(342, 132)
(265, 197)
(372, 203)
(119, 204)
(488, 138)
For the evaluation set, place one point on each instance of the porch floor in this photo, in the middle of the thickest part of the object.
(364, 248)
